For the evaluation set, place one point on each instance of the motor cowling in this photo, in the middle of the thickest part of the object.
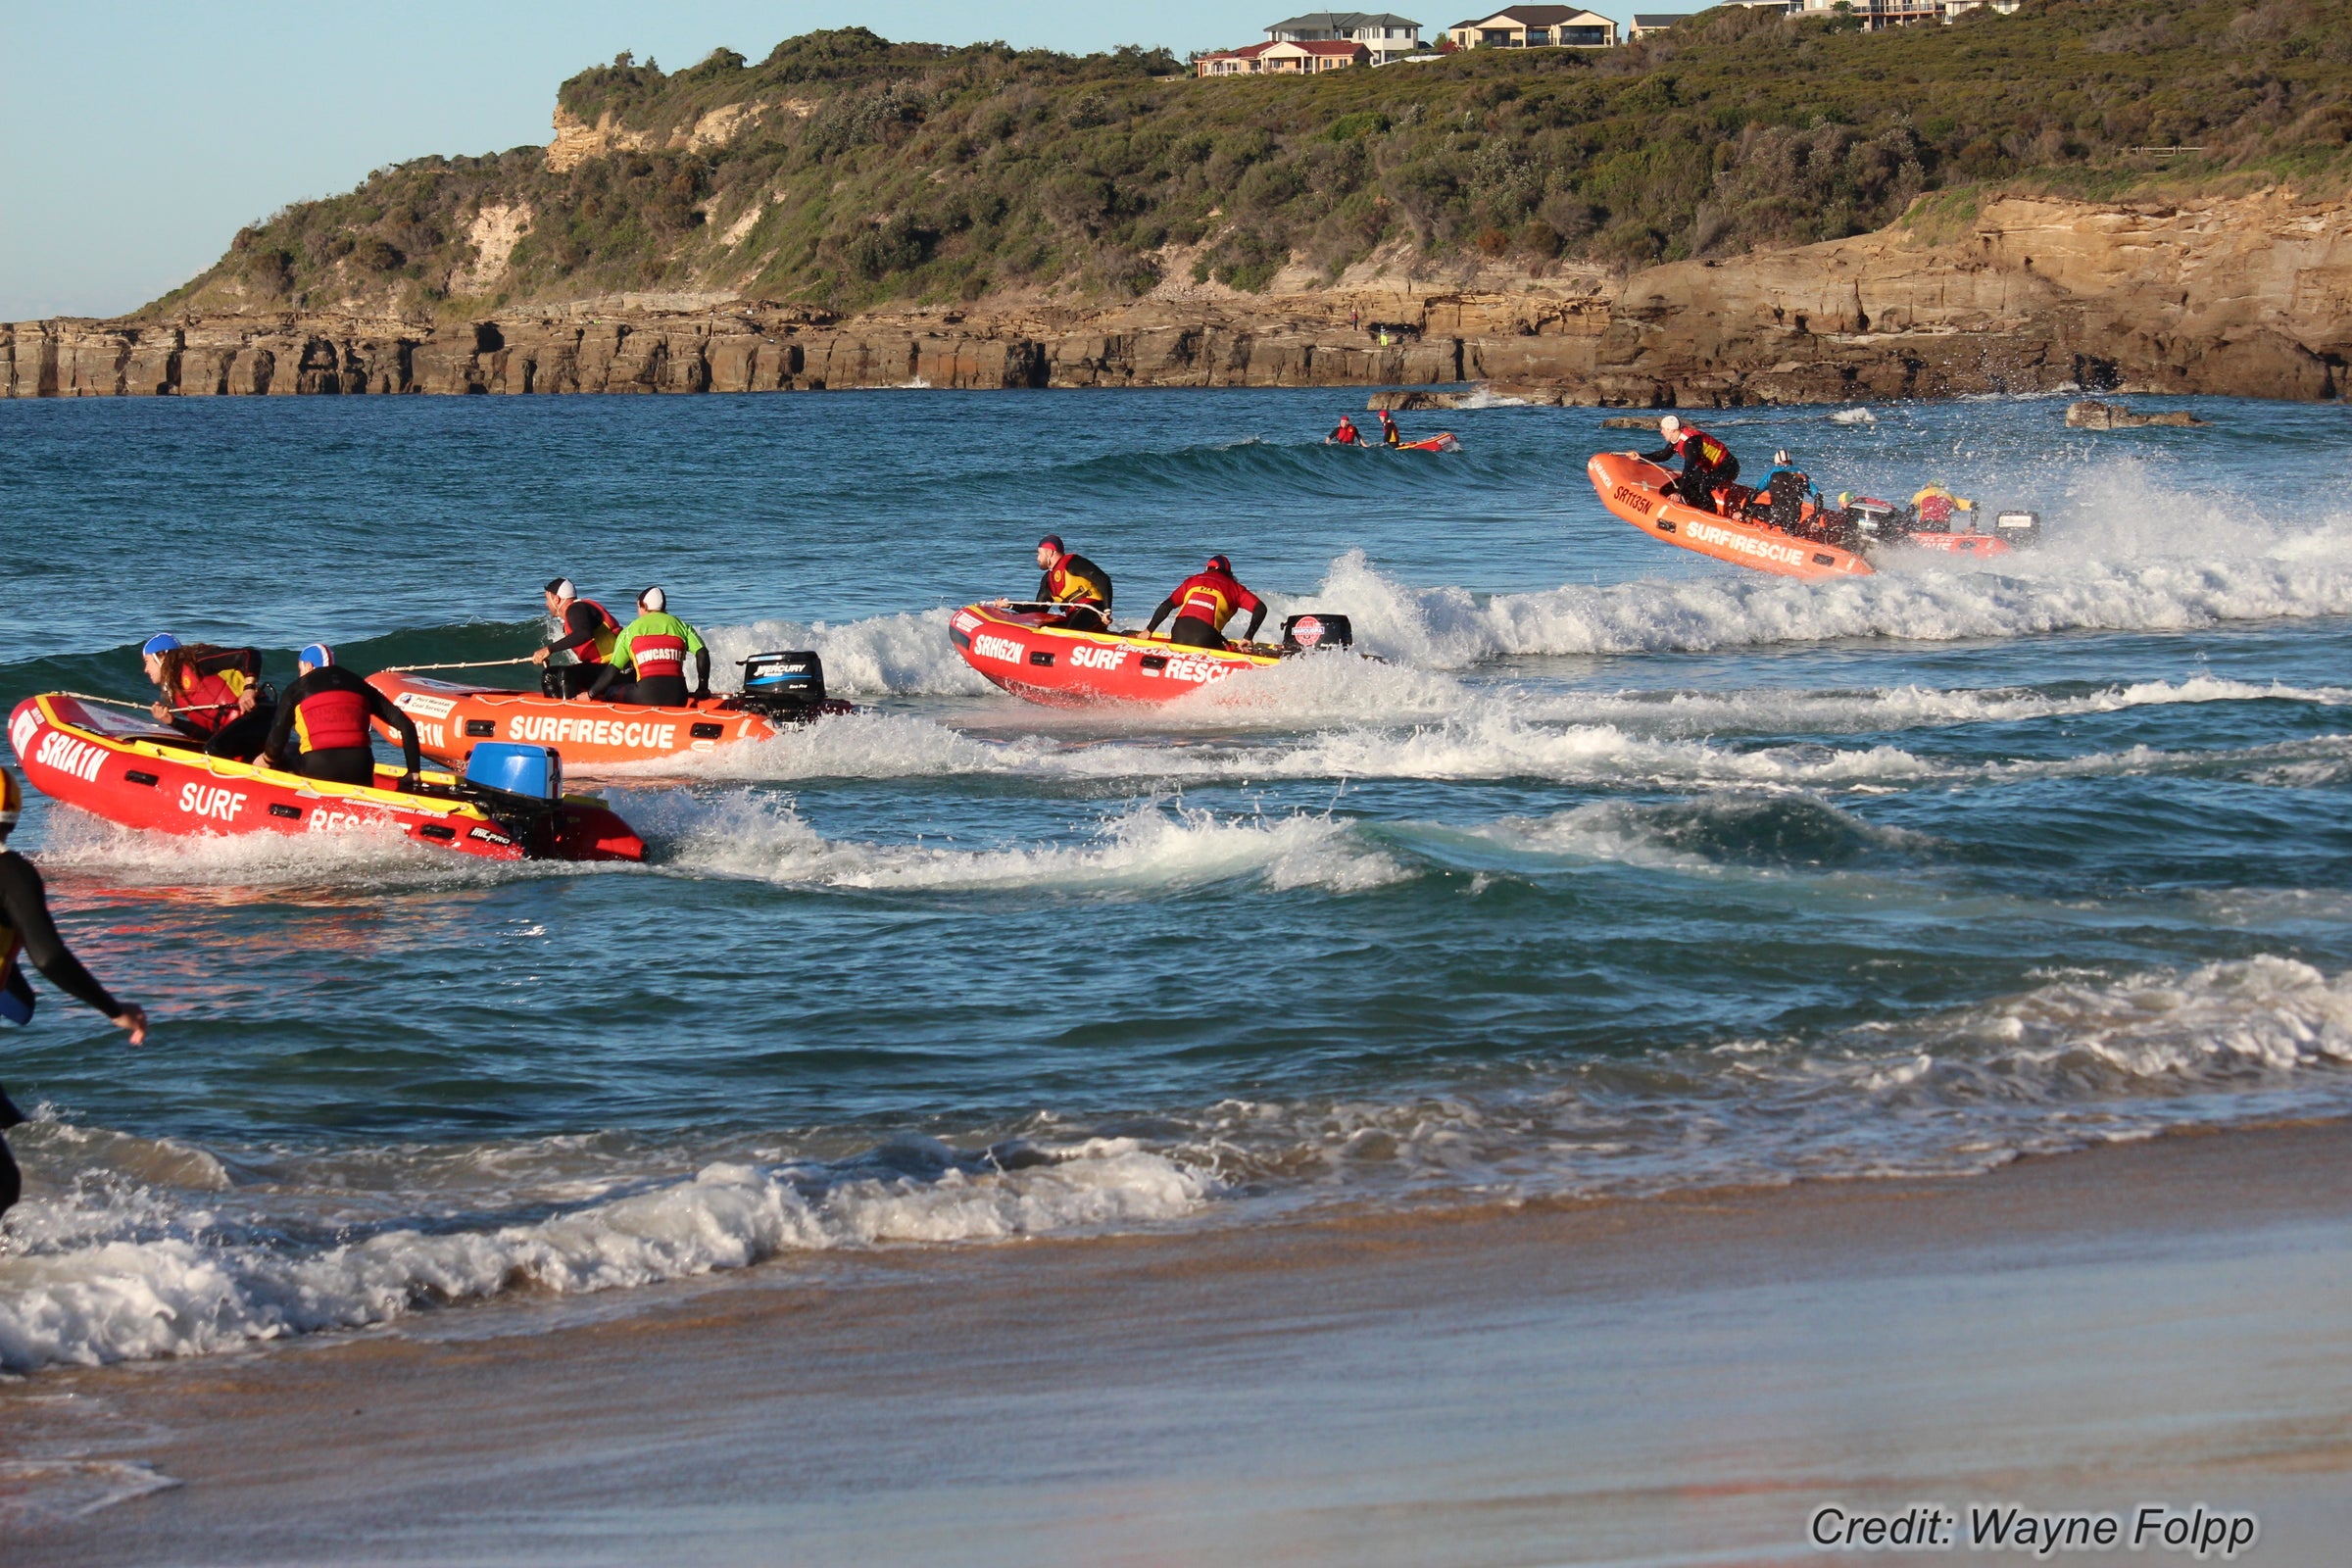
(1316, 629)
(790, 684)
(2020, 528)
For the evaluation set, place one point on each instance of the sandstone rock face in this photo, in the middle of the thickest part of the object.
(2251, 295)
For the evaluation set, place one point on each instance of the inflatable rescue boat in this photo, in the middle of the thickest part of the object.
(1028, 652)
(780, 691)
(128, 769)
(1634, 489)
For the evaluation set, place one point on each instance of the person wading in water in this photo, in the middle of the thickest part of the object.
(27, 929)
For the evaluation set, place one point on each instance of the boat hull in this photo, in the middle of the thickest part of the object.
(1029, 655)
(1635, 490)
(123, 768)
(453, 718)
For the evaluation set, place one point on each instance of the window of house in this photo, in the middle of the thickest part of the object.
(1538, 38)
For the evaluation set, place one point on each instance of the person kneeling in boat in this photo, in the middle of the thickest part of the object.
(589, 632)
(1073, 582)
(1933, 506)
(1203, 603)
(1389, 435)
(653, 650)
(1706, 461)
(26, 927)
(1787, 500)
(210, 694)
(322, 728)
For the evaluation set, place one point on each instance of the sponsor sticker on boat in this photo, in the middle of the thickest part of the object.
(25, 725)
(423, 705)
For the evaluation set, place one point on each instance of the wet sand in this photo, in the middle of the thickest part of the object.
(1672, 1381)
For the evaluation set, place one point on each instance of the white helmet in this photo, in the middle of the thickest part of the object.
(1669, 426)
(1781, 457)
(653, 601)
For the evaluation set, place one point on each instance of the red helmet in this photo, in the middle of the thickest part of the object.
(1219, 564)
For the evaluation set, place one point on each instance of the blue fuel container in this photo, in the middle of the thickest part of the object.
(532, 771)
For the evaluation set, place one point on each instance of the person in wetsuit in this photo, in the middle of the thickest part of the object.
(1072, 581)
(1389, 435)
(1706, 461)
(27, 929)
(323, 718)
(589, 632)
(652, 651)
(1203, 603)
(1782, 502)
(1346, 435)
(210, 694)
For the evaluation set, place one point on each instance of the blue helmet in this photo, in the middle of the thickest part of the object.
(162, 641)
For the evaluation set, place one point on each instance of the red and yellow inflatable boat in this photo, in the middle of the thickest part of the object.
(1031, 654)
(129, 770)
(453, 718)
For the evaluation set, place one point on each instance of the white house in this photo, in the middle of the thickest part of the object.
(1646, 23)
(1386, 37)
(1536, 28)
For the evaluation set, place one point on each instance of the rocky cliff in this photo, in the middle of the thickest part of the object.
(2249, 296)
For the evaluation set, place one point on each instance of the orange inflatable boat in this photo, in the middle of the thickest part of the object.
(1634, 489)
(781, 690)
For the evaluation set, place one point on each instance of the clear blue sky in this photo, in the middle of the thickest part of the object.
(136, 137)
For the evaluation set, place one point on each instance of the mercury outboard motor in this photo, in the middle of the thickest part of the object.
(2020, 528)
(1315, 630)
(783, 685)
(1876, 520)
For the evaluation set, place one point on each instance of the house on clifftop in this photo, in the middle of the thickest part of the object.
(1388, 37)
(1536, 28)
(1285, 59)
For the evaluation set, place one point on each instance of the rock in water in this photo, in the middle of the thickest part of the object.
(1629, 421)
(2091, 414)
(1406, 402)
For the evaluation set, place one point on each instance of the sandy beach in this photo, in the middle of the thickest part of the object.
(1670, 1380)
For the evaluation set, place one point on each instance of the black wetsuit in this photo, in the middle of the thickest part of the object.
(1696, 483)
(1081, 588)
(25, 915)
(582, 622)
(345, 704)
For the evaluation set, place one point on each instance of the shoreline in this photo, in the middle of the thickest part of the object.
(1675, 1378)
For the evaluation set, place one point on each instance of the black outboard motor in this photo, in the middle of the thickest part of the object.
(1877, 521)
(2020, 528)
(1316, 630)
(783, 685)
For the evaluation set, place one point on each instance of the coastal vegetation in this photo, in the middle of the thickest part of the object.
(845, 171)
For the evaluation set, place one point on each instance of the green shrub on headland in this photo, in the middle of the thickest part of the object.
(859, 172)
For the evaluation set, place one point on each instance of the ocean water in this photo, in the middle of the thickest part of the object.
(1624, 870)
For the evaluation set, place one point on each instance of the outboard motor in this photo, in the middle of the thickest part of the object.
(788, 685)
(521, 787)
(1316, 630)
(2020, 528)
(1875, 520)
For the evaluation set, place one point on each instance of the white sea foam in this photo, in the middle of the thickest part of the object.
(2083, 1059)
(102, 1274)
(1157, 846)
(882, 655)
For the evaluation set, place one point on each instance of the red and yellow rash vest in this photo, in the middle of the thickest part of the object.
(212, 685)
(655, 644)
(1214, 596)
(589, 632)
(1699, 450)
(1075, 580)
